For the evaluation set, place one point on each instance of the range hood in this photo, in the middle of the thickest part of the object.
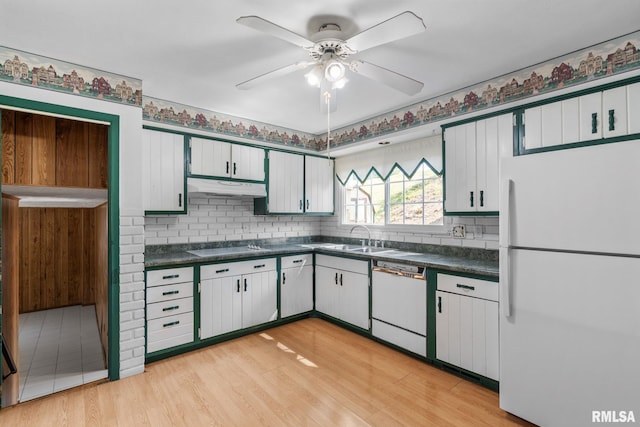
(227, 188)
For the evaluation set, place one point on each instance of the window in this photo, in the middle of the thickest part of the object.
(415, 200)
(364, 203)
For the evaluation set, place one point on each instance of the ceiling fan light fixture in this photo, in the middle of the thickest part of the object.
(334, 71)
(314, 77)
(340, 83)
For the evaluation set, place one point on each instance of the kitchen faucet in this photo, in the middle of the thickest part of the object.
(366, 228)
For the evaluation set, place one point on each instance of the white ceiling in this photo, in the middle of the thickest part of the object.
(193, 52)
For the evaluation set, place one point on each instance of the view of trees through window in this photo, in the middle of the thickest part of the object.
(415, 200)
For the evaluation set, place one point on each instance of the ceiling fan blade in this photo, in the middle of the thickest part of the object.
(390, 78)
(275, 30)
(248, 84)
(400, 26)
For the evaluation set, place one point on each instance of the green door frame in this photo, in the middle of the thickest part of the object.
(113, 334)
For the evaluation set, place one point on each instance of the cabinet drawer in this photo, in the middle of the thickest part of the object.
(169, 308)
(237, 268)
(345, 264)
(169, 292)
(169, 331)
(470, 287)
(296, 261)
(169, 275)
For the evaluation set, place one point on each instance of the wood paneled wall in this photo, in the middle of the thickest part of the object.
(57, 257)
(101, 275)
(49, 151)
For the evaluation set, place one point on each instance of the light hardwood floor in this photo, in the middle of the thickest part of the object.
(310, 372)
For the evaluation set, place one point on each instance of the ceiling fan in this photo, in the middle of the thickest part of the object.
(330, 53)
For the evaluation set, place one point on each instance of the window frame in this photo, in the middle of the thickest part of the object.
(416, 228)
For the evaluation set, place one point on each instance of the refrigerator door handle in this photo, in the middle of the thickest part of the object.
(505, 242)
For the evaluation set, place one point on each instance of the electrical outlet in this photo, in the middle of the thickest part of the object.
(458, 231)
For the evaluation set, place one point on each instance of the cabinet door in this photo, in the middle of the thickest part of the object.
(296, 290)
(591, 120)
(489, 136)
(220, 306)
(286, 182)
(210, 157)
(448, 327)
(259, 298)
(460, 168)
(354, 298)
(614, 112)
(327, 291)
(163, 171)
(247, 162)
(318, 184)
(570, 120)
(633, 108)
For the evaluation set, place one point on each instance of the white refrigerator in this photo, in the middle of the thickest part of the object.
(570, 285)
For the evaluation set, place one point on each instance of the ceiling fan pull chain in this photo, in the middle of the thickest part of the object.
(327, 97)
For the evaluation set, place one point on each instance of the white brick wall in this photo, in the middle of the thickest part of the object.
(222, 218)
(132, 293)
(480, 232)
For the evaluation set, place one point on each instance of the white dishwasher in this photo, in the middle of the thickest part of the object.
(399, 305)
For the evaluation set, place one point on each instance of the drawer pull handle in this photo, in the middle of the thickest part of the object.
(467, 287)
(245, 285)
(594, 123)
(439, 304)
(471, 198)
(175, 307)
(166, 325)
(297, 261)
(172, 276)
(170, 293)
(259, 266)
(238, 286)
(284, 278)
(224, 270)
(336, 278)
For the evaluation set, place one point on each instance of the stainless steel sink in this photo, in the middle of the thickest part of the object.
(357, 248)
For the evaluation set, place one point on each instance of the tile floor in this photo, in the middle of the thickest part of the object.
(59, 349)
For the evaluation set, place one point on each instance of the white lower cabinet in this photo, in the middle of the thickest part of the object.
(169, 308)
(237, 295)
(342, 289)
(296, 284)
(467, 322)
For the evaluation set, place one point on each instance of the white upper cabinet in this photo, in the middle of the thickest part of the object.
(318, 184)
(606, 114)
(633, 107)
(221, 159)
(163, 172)
(298, 184)
(286, 182)
(472, 151)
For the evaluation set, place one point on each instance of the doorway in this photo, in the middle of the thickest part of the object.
(58, 170)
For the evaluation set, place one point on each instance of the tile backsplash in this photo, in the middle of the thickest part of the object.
(223, 218)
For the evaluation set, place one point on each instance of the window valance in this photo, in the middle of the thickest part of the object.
(381, 161)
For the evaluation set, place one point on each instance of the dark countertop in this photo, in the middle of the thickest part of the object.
(450, 262)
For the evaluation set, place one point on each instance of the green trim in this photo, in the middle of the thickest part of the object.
(1, 358)
(374, 170)
(524, 151)
(113, 351)
(474, 213)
